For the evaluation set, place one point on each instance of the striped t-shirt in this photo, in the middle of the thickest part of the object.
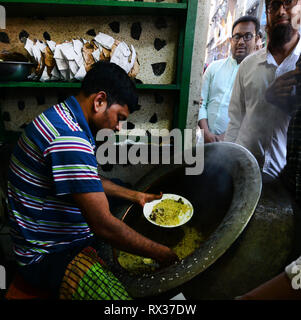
(54, 158)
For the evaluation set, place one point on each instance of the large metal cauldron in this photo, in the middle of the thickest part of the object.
(270, 241)
(224, 197)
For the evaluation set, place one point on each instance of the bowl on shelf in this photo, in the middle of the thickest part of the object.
(15, 71)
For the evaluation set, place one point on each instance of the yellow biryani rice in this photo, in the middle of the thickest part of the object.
(191, 240)
(168, 212)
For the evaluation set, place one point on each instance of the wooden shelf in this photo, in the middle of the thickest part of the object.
(40, 8)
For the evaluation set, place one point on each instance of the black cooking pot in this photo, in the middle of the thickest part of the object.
(224, 198)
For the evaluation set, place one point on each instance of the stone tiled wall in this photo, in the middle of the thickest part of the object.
(20, 105)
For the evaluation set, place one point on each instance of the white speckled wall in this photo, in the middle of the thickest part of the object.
(20, 105)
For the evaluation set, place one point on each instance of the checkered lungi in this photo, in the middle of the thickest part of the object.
(88, 278)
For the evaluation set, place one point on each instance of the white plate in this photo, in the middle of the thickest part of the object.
(148, 208)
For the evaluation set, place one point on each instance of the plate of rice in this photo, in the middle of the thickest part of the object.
(170, 211)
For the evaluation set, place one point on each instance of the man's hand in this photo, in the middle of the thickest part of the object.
(142, 198)
(210, 137)
(168, 258)
(220, 137)
(279, 93)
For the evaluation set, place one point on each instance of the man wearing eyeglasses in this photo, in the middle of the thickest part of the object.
(219, 78)
(255, 123)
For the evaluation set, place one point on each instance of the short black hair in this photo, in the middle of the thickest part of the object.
(114, 81)
(247, 19)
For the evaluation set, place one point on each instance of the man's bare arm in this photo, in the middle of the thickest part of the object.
(103, 224)
(114, 190)
(208, 136)
(278, 288)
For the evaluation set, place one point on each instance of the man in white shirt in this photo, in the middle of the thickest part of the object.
(219, 79)
(254, 123)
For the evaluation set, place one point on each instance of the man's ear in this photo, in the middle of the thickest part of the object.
(100, 101)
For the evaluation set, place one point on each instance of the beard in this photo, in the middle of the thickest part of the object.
(280, 35)
(240, 58)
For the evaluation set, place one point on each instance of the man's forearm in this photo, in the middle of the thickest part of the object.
(103, 224)
(203, 124)
(209, 137)
(114, 190)
(125, 238)
(278, 288)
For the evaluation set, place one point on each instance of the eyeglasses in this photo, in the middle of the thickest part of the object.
(247, 36)
(274, 6)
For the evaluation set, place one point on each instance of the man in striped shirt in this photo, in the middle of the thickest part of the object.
(57, 201)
